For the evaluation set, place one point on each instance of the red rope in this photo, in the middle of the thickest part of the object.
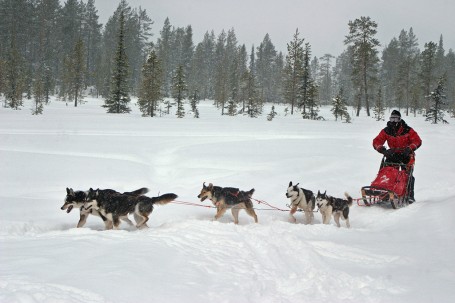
(269, 205)
(191, 204)
(208, 206)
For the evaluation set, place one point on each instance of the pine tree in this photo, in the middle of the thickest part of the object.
(389, 72)
(179, 91)
(77, 68)
(2, 76)
(363, 43)
(437, 99)
(194, 100)
(379, 108)
(164, 52)
(338, 105)
(150, 91)
(253, 102)
(325, 73)
(38, 92)
(428, 66)
(306, 81)
(221, 75)
(407, 68)
(312, 102)
(265, 66)
(272, 114)
(92, 40)
(14, 78)
(119, 98)
(293, 71)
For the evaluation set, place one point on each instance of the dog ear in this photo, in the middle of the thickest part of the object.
(203, 185)
(297, 184)
(210, 186)
(290, 183)
(325, 192)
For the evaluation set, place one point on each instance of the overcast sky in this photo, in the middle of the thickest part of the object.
(323, 23)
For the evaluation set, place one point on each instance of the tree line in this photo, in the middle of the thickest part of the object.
(51, 49)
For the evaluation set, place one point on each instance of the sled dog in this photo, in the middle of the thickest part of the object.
(301, 199)
(116, 206)
(78, 198)
(337, 207)
(228, 197)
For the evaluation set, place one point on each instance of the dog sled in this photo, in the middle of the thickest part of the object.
(392, 185)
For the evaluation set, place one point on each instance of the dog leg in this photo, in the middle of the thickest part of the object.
(235, 213)
(108, 224)
(116, 221)
(309, 217)
(328, 217)
(127, 220)
(251, 212)
(138, 219)
(348, 225)
(336, 217)
(323, 217)
(292, 219)
(220, 213)
(143, 224)
(82, 220)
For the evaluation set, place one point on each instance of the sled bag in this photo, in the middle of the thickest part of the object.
(391, 178)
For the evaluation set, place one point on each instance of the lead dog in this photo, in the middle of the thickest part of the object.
(337, 207)
(301, 199)
(116, 206)
(228, 197)
(76, 199)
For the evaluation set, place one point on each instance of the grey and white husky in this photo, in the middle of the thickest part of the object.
(303, 199)
(117, 206)
(77, 199)
(337, 207)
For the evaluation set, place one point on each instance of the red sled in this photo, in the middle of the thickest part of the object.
(391, 185)
(392, 179)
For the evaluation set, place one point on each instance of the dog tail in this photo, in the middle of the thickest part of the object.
(138, 192)
(349, 199)
(165, 199)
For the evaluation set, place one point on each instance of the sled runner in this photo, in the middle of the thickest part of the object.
(392, 185)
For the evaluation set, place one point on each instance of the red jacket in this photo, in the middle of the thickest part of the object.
(397, 137)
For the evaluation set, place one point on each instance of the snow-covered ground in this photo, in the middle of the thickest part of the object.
(404, 255)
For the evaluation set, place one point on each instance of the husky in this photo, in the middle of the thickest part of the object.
(116, 206)
(337, 207)
(78, 198)
(303, 199)
(229, 197)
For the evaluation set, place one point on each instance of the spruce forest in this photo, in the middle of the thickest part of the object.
(52, 49)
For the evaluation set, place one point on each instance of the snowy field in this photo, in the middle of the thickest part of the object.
(404, 255)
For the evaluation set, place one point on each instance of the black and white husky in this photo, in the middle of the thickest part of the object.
(117, 206)
(301, 199)
(77, 199)
(337, 207)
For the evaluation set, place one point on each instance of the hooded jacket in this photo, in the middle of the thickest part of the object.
(398, 135)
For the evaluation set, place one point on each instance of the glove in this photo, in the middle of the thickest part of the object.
(407, 151)
(382, 150)
(388, 153)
